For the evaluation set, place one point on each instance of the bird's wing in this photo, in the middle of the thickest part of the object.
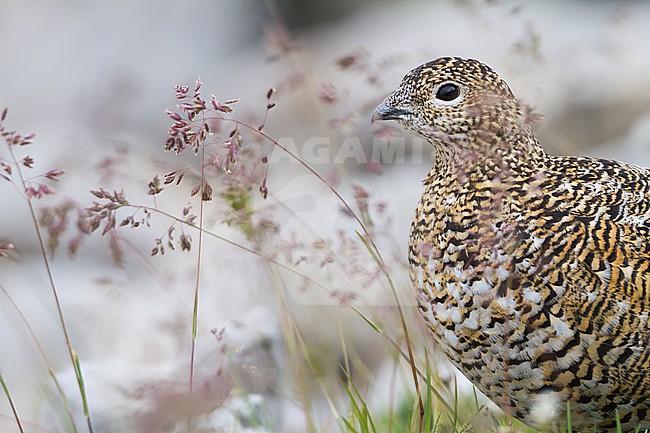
(595, 259)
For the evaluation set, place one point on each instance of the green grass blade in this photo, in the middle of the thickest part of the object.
(11, 403)
(82, 389)
(360, 414)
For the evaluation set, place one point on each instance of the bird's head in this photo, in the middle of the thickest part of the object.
(452, 101)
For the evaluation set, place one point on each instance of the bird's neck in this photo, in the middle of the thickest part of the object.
(485, 156)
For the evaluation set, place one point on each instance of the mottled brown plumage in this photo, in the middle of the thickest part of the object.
(532, 271)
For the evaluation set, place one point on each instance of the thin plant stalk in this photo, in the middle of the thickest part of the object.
(195, 310)
(11, 403)
(73, 357)
(344, 348)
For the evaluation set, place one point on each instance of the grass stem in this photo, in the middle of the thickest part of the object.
(11, 403)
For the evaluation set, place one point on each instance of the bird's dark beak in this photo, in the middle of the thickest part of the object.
(385, 112)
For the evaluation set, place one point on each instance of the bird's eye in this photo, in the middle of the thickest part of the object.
(448, 92)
